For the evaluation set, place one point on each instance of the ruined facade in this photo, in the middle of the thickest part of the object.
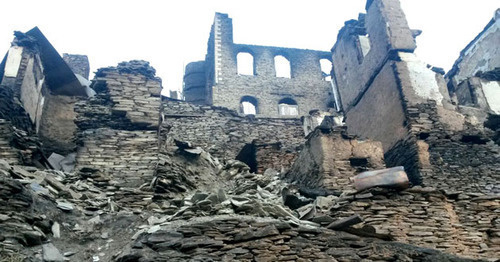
(233, 173)
(275, 78)
(40, 89)
(390, 96)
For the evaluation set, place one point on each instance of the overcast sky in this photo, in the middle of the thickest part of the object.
(170, 34)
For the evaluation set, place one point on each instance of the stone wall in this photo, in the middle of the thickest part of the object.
(464, 160)
(379, 114)
(364, 58)
(272, 155)
(28, 83)
(117, 130)
(7, 151)
(79, 64)
(226, 87)
(459, 223)
(123, 101)
(330, 158)
(224, 133)
(480, 55)
(355, 64)
(244, 238)
(124, 159)
(391, 96)
(58, 131)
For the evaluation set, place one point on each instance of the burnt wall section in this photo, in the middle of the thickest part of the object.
(364, 60)
(226, 86)
(117, 130)
(223, 133)
(330, 158)
(365, 45)
(380, 104)
(79, 64)
(462, 224)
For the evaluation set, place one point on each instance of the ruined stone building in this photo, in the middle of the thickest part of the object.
(276, 81)
(374, 156)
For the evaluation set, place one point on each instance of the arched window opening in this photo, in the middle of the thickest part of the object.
(326, 69)
(288, 107)
(244, 62)
(248, 105)
(282, 66)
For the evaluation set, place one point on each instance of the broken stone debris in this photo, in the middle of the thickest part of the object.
(51, 253)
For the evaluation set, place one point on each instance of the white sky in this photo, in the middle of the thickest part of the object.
(170, 34)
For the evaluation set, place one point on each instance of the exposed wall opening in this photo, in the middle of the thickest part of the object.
(360, 163)
(249, 105)
(326, 69)
(363, 46)
(282, 66)
(288, 107)
(474, 139)
(248, 155)
(245, 64)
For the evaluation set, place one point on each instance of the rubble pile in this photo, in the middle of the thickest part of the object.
(45, 215)
(24, 218)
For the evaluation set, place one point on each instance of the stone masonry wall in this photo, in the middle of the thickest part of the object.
(123, 101)
(122, 158)
(480, 55)
(223, 133)
(356, 65)
(273, 156)
(460, 223)
(306, 85)
(79, 64)
(331, 157)
(464, 160)
(244, 238)
(380, 104)
(7, 151)
(117, 131)
(58, 131)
